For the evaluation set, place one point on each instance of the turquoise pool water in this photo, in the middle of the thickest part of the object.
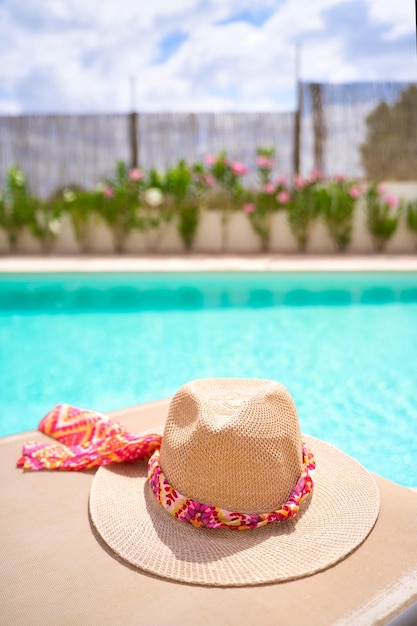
(345, 345)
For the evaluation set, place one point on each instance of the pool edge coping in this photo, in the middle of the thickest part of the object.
(207, 262)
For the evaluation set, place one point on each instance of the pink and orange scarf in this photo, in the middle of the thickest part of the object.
(85, 439)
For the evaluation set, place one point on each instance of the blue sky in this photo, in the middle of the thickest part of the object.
(74, 56)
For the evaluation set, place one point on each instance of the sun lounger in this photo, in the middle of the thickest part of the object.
(56, 570)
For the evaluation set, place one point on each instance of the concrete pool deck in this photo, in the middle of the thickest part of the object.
(207, 262)
(55, 569)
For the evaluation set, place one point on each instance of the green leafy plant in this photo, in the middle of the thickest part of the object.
(182, 187)
(134, 200)
(336, 201)
(303, 208)
(156, 209)
(47, 224)
(17, 207)
(264, 202)
(224, 188)
(83, 208)
(382, 215)
(120, 206)
(188, 222)
(411, 218)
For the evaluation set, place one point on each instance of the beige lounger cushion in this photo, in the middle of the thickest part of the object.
(55, 571)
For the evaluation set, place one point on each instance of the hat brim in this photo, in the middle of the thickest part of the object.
(334, 521)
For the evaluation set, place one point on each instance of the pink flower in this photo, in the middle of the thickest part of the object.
(135, 174)
(339, 178)
(239, 168)
(108, 192)
(316, 174)
(299, 181)
(210, 159)
(209, 180)
(269, 188)
(380, 189)
(354, 192)
(392, 202)
(248, 207)
(264, 162)
(283, 197)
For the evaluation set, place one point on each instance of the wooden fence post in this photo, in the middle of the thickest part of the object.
(319, 125)
(297, 129)
(133, 139)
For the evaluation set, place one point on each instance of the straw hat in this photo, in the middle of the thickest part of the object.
(234, 445)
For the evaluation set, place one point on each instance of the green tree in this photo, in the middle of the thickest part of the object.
(390, 149)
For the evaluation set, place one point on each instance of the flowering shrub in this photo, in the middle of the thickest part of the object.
(119, 208)
(303, 207)
(267, 199)
(336, 202)
(148, 201)
(382, 215)
(224, 188)
(224, 176)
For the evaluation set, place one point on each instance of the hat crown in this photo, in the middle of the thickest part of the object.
(233, 443)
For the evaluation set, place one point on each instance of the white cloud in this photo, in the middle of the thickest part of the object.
(78, 56)
(398, 16)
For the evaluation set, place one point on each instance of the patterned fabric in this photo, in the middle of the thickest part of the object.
(204, 515)
(86, 439)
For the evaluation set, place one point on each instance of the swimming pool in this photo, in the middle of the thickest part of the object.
(344, 344)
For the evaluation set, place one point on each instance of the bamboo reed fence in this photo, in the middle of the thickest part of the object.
(326, 131)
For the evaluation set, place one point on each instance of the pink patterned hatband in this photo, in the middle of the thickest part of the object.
(206, 516)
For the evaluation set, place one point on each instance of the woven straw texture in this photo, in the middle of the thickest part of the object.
(261, 416)
(244, 430)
